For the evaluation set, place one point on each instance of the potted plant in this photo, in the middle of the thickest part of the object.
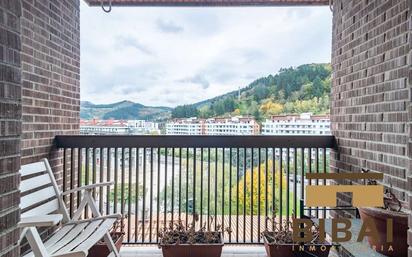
(117, 234)
(280, 243)
(178, 241)
(392, 210)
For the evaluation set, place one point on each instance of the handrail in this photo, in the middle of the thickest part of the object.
(131, 141)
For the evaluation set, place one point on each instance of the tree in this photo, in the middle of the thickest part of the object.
(185, 111)
(252, 189)
(271, 108)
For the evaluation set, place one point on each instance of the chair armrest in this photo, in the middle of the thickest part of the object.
(40, 221)
(88, 187)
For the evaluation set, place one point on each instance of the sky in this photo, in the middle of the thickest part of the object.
(160, 56)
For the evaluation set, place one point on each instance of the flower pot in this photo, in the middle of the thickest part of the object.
(296, 250)
(400, 228)
(100, 249)
(187, 250)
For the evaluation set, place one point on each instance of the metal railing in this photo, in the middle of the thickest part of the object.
(241, 183)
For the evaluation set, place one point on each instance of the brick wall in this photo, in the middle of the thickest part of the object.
(371, 108)
(10, 125)
(50, 77)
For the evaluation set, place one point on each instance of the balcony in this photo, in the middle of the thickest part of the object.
(220, 179)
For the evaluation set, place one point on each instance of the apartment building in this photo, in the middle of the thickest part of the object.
(118, 127)
(213, 126)
(303, 124)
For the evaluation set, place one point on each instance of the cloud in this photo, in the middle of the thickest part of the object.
(198, 79)
(125, 41)
(168, 26)
(173, 56)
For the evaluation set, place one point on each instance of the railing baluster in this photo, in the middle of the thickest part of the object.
(109, 178)
(208, 188)
(151, 196)
(259, 191)
(72, 174)
(280, 186)
(310, 171)
(187, 186)
(79, 173)
(295, 177)
(136, 221)
(194, 186)
(324, 181)
(317, 171)
(129, 197)
(173, 185)
(237, 193)
(266, 187)
(244, 194)
(302, 182)
(273, 186)
(230, 194)
(158, 195)
(101, 176)
(287, 183)
(122, 189)
(223, 193)
(180, 183)
(64, 173)
(116, 166)
(144, 194)
(216, 160)
(94, 170)
(251, 194)
(201, 187)
(165, 189)
(86, 180)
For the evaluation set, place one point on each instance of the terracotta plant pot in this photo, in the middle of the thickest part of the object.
(198, 250)
(294, 250)
(400, 228)
(101, 250)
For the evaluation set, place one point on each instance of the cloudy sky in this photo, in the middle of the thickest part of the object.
(172, 56)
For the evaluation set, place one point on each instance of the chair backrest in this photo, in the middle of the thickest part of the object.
(39, 190)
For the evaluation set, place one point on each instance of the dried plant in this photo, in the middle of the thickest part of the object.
(390, 201)
(176, 233)
(283, 232)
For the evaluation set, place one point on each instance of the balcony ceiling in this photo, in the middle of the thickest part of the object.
(210, 2)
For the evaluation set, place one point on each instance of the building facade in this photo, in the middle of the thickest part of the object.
(303, 124)
(118, 127)
(213, 126)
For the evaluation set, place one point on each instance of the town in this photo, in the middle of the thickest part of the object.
(297, 124)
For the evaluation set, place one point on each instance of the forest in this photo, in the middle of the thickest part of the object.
(305, 88)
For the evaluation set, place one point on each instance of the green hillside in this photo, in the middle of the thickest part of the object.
(305, 88)
(125, 110)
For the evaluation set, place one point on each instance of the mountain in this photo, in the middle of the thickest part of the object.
(124, 110)
(305, 88)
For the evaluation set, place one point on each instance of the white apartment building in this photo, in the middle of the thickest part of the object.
(189, 126)
(303, 124)
(232, 126)
(118, 127)
(213, 126)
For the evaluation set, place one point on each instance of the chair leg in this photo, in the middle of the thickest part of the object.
(112, 247)
(35, 243)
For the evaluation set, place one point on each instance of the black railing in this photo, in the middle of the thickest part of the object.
(241, 183)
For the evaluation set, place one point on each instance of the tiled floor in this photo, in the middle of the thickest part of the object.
(228, 251)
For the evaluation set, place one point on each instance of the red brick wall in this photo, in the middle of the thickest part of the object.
(50, 77)
(371, 95)
(10, 125)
